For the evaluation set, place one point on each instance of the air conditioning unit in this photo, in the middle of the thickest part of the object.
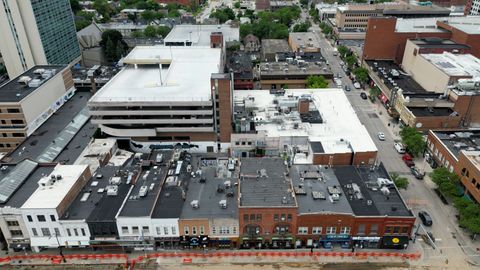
(223, 204)
(195, 204)
(143, 191)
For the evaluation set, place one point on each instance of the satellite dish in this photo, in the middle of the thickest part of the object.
(419, 125)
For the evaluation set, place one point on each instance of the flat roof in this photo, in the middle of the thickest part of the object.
(340, 130)
(285, 69)
(199, 34)
(43, 136)
(438, 43)
(458, 140)
(13, 91)
(315, 180)
(28, 185)
(153, 178)
(98, 201)
(215, 174)
(306, 39)
(52, 195)
(270, 46)
(360, 186)
(185, 75)
(467, 24)
(263, 183)
(473, 157)
(430, 111)
(455, 64)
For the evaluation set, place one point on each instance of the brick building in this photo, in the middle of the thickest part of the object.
(386, 37)
(181, 2)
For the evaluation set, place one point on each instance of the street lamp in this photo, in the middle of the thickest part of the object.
(60, 247)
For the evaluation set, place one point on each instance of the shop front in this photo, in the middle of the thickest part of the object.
(395, 242)
(249, 242)
(336, 240)
(223, 243)
(193, 242)
(167, 242)
(366, 241)
(282, 242)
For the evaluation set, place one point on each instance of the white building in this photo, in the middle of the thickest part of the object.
(199, 35)
(312, 126)
(43, 209)
(166, 96)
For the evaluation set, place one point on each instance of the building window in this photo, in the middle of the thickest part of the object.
(245, 217)
(275, 217)
(388, 229)
(361, 229)
(289, 217)
(29, 218)
(345, 230)
(69, 233)
(41, 218)
(223, 230)
(284, 217)
(174, 230)
(159, 230)
(165, 230)
(124, 230)
(75, 231)
(13, 110)
(57, 232)
(252, 217)
(234, 230)
(12, 223)
(302, 230)
(194, 230)
(145, 229)
(202, 230)
(135, 230)
(474, 181)
(83, 232)
(374, 229)
(331, 230)
(404, 230)
(45, 232)
(316, 230)
(214, 230)
(16, 233)
(259, 217)
(186, 230)
(52, 217)
(34, 232)
(478, 186)
(17, 122)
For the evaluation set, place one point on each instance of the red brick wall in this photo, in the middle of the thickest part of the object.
(470, 179)
(469, 109)
(224, 108)
(438, 122)
(216, 40)
(382, 222)
(323, 220)
(267, 223)
(180, 2)
(365, 157)
(337, 159)
(303, 106)
(433, 143)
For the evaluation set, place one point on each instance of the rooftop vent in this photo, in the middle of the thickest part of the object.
(143, 191)
(115, 180)
(335, 197)
(284, 200)
(24, 80)
(223, 204)
(112, 190)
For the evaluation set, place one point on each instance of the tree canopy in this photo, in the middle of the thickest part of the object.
(271, 24)
(316, 82)
(361, 74)
(413, 140)
(113, 45)
(223, 14)
(400, 182)
(302, 27)
(446, 181)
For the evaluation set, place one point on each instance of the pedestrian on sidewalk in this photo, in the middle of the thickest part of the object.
(311, 250)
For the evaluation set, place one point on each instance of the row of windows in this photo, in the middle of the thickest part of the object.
(70, 232)
(8, 145)
(396, 229)
(442, 160)
(13, 122)
(41, 218)
(356, 20)
(10, 110)
(361, 14)
(258, 217)
(13, 135)
(12, 223)
(243, 143)
(328, 230)
(146, 230)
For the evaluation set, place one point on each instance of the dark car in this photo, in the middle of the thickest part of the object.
(426, 218)
(363, 95)
(408, 160)
(416, 172)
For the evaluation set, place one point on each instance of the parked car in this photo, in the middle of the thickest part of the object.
(425, 218)
(347, 88)
(363, 95)
(357, 85)
(338, 83)
(381, 136)
(416, 172)
(408, 160)
(399, 147)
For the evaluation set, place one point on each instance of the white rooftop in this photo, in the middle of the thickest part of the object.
(467, 24)
(199, 34)
(339, 120)
(185, 75)
(455, 64)
(51, 196)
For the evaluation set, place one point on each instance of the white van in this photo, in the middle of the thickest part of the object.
(399, 147)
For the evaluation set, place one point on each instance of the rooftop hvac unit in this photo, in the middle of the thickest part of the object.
(143, 191)
(385, 191)
(115, 180)
(195, 204)
(112, 190)
(223, 204)
(384, 182)
(24, 80)
(35, 83)
(39, 71)
(335, 197)
(227, 184)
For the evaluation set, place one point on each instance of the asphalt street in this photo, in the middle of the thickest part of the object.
(453, 246)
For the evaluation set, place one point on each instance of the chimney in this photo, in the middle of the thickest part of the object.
(216, 40)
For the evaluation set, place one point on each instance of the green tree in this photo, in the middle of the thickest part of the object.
(304, 2)
(316, 82)
(119, 50)
(110, 40)
(469, 214)
(150, 31)
(343, 50)
(400, 182)
(102, 7)
(149, 15)
(302, 27)
(351, 60)
(75, 6)
(446, 181)
(163, 31)
(413, 140)
(110, 51)
(361, 74)
(237, 4)
(137, 34)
